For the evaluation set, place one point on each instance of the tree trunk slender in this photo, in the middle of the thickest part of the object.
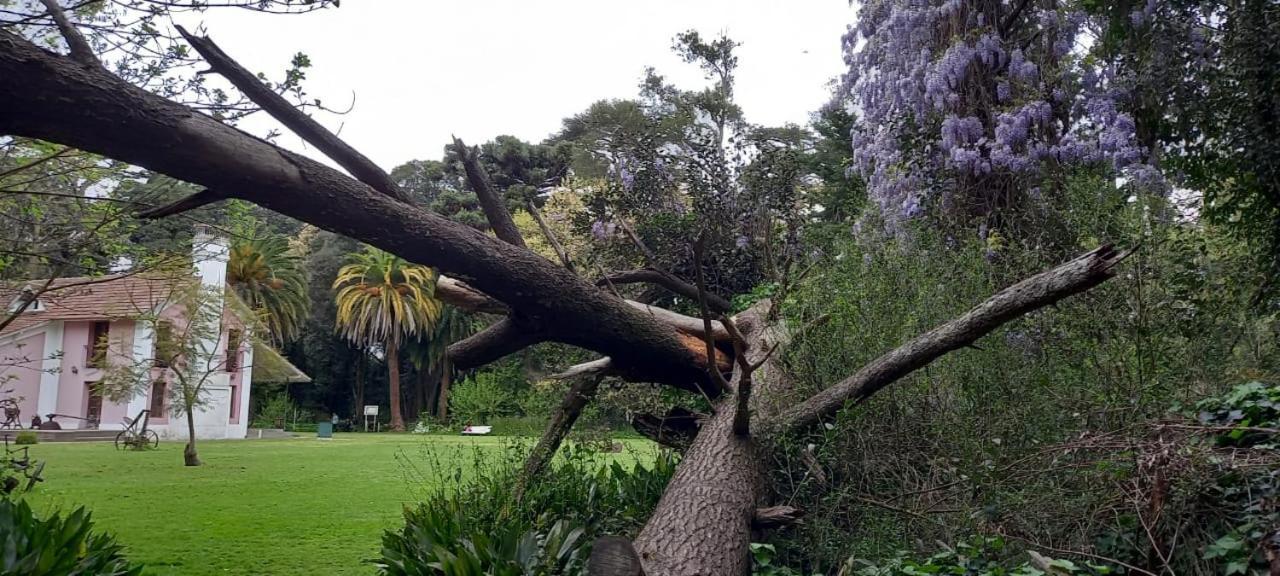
(446, 374)
(189, 455)
(419, 392)
(393, 368)
(357, 390)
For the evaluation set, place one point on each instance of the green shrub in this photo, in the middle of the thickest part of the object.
(57, 546)
(274, 409)
(438, 540)
(475, 521)
(1249, 414)
(480, 398)
(979, 557)
(26, 437)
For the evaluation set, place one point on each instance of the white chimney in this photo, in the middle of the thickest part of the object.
(210, 253)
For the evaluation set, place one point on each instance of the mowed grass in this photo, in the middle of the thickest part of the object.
(271, 507)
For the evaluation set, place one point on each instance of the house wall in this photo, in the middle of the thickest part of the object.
(76, 374)
(21, 366)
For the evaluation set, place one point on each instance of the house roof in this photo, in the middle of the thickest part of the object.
(107, 297)
(269, 366)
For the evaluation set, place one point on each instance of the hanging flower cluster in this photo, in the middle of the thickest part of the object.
(960, 99)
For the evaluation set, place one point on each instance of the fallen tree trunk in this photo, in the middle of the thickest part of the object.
(702, 524)
(58, 99)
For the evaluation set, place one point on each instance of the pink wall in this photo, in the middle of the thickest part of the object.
(73, 396)
(20, 372)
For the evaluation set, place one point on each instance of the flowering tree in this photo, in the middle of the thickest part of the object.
(969, 108)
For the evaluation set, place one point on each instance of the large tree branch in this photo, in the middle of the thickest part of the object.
(673, 284)
(502, 338)
(58, 100)
(686, 324)
(459, 295)
(362, 168)
(1038, 291)
(495, 210)
(80, 49)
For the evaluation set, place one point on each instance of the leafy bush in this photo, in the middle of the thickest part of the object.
(979, 557)
(26, 438)
(480, 398)
(274, 409)
(476, 521)
(439, 540)
(57, 546)
(1250, 414)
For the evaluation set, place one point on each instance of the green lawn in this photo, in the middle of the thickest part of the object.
(301, 506)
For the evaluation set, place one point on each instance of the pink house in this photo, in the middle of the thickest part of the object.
(54, 352)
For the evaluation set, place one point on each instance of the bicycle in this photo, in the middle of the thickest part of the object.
(12, 413)
(136, 435)
(11, 466)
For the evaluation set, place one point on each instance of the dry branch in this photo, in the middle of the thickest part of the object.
(599, 366)
(1038, 291)
(78, 46)
(579, 394)
(361, 167)
(495, 210)
(667, 281)
(551, 237)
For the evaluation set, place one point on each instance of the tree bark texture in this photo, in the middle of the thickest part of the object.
(393, 380)
(446, 378)
(189, 455)
(61, 100)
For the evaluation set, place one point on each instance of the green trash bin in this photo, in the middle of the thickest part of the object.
(324, 429)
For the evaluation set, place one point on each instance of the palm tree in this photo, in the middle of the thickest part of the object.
(383, 300)
(427, 352)
(268, 276)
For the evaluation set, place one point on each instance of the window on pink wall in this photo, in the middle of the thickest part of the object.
(234, 417)
(158, 390)
(233, 350)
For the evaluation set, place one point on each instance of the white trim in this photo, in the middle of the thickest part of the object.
(24, 333)
(143, 344)
(50, 368)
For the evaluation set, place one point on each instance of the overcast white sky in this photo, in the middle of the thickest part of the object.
(422, 70)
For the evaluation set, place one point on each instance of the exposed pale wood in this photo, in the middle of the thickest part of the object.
(458, 294)
(597, 366)
(687, 324)
(776, 517)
